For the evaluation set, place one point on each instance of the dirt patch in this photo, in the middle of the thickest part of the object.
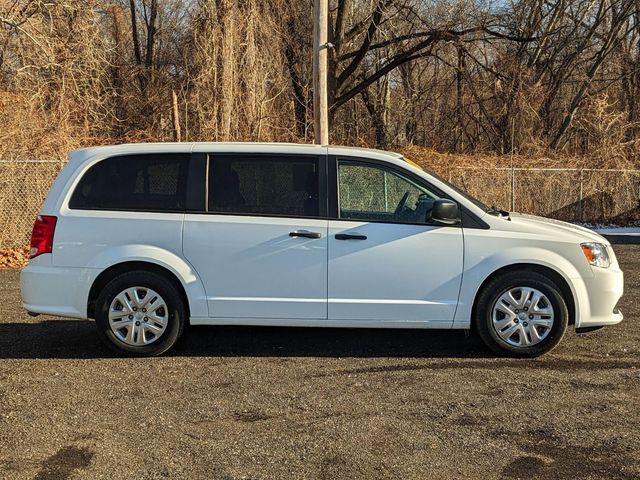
(250, 416)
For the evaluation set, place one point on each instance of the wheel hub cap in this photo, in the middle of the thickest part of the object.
(138, 316)
(522, 317)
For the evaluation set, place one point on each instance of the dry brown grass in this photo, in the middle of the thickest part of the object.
(444, 162)
(14, 257)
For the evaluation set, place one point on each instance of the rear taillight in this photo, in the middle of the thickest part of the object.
(42, 235)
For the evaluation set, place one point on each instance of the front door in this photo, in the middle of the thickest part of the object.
(261, 247)
(387, 262)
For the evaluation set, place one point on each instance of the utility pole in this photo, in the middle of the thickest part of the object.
(175, 117)
(320, 66)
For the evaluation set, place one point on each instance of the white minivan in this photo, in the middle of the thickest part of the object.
(145, 238)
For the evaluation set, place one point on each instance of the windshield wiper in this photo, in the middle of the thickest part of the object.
(496, 211)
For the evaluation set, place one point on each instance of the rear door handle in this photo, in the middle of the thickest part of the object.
(304, 234)
(349, 236)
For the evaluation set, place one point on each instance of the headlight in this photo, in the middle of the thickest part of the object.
(596, 254)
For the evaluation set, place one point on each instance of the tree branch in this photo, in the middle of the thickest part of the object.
(364, 48)
(395, 62)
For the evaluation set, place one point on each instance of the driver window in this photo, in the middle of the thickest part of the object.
(372, 193)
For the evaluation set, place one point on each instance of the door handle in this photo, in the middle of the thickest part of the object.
(304, 234)
(349, 236)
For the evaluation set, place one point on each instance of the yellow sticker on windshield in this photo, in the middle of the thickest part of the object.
(411, 162)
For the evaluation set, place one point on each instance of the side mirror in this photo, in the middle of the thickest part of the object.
(445, 211)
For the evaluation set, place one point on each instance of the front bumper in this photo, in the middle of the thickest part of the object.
(598, 302)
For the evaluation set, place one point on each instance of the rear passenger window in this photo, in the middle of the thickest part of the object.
(264, 185)
(148, 182)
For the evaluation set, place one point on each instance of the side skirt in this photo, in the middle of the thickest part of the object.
(305, 322)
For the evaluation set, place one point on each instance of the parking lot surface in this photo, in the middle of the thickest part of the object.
(271, 403)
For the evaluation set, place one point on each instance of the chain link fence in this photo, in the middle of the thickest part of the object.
(574, 195)
(23, 188)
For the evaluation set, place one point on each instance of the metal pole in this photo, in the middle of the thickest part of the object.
(513, 172)
(513, 189)
(320, 60)
(581, 195)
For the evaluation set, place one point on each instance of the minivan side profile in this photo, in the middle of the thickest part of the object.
(147, 238)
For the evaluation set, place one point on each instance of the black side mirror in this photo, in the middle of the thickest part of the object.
(445, 211)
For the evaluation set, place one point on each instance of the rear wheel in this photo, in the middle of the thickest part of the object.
(521, 313)
(140, 313)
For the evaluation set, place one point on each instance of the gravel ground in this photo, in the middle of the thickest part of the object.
(317, 403)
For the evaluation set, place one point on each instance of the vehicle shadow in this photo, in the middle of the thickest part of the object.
(62, 339)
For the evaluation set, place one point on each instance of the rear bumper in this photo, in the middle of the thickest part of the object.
(600, 297)
(56, 291)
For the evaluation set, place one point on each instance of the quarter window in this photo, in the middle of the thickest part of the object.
(264, 185)
(371, 193)
(148, 182)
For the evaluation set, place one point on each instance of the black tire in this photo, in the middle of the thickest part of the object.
(175, 306)
(490, 294)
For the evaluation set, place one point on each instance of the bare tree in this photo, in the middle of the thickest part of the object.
(532, 77)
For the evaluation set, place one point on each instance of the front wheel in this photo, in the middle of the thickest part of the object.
(521, 314)
(140, 313)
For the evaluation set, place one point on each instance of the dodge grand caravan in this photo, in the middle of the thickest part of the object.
(147, 238)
